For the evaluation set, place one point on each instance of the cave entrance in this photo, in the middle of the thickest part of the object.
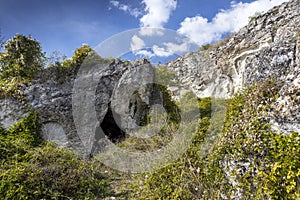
(111, 128)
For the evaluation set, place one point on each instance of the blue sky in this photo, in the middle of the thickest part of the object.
(64, 25)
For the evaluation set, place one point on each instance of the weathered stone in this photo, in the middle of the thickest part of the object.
(54, 132)
(269, 47)
(11, 111)
(264, 48)
(133, 96)
(117, 95)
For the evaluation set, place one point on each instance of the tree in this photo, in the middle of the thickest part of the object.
(22, 57)
(79, 55)
(55, 59)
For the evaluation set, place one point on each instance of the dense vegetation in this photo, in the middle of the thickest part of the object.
(247, 159)
(265, 164)
(34, 169)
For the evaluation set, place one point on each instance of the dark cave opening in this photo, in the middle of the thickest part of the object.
(110, 127)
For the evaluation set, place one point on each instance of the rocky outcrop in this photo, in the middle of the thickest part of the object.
(11, 111)
(267, 47)
(57, 94)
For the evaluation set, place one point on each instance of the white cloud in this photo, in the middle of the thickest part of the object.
(200, 30)
(169, 48)
(115, 3)
(145, 53)
(126, 8)
(157, 12)
(177, 48)
(164, 49)
(136, 43)
(161, 51)
(151, 31)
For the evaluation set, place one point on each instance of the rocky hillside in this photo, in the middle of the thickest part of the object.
(247, 107)
(269, 46)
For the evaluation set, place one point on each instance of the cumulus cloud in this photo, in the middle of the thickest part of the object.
(158, 12)
(202, 31)
(169, 48)
(126, 8)
(136, 43)
(151, 31)
(161, 51)
(145, 53)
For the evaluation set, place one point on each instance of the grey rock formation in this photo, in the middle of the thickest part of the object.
(11, 111)
(117, 95)
(267, 47)
(72, 107)
(133, 96)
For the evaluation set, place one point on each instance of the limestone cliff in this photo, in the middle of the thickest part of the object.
(268, 47)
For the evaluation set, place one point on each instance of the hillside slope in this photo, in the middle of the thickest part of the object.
(245, 138)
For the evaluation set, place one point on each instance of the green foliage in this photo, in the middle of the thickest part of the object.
(183, 179)
(56, 58)
(34, 169)
(280, 178)
(79, 56)
(11, 87)
(60, 69)
(21, 136)
(22, 57)
(52, 173)
(273, 169)
(165, 77)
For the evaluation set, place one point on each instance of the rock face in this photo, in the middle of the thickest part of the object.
(55, 100)
(267, 47)
(11, 111)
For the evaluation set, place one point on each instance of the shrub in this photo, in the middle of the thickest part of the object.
(79, 56)
(34, 169)
(273, 170)
(22, 57)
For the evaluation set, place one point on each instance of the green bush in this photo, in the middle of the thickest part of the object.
(79, 56)
(52, 173)
(34, 169)
(274, 169)
(205, 47)
(22, 58)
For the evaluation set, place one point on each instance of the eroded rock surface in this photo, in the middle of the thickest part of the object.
(54, 96)
(267, 47)
(11, 111)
